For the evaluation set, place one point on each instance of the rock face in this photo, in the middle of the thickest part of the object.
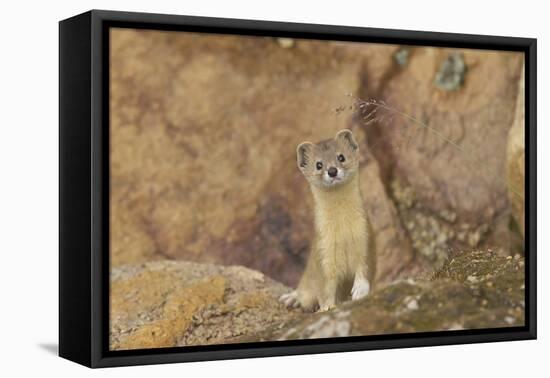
(444, 162)
(168, 303)
(204, 130)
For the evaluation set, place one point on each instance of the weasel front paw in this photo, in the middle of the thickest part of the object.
(360, 289)
(290, 299)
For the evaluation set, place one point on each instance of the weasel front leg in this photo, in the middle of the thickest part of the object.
(361, 286)
(306, 294)
(329, 294)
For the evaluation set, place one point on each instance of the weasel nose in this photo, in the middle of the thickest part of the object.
(332, 172)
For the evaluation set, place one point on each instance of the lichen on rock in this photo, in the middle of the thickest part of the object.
(450, 75)
(434, 234)
(401, 56)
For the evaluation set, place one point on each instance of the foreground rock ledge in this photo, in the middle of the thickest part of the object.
(170, 303)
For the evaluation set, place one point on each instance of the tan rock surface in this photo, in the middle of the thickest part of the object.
(169, 303)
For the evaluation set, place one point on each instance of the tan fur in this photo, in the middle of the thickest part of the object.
(342, 256)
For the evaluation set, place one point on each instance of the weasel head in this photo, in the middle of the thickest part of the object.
(330, 163)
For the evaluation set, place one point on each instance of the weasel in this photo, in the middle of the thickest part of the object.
(342, 260)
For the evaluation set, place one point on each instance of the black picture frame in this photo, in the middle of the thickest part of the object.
(84, 187)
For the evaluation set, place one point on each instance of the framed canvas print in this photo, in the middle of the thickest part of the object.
(234, 188)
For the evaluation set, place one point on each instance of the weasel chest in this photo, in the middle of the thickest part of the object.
(342, 242)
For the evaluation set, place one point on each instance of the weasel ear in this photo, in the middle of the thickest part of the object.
(346, 137)
(303, 154)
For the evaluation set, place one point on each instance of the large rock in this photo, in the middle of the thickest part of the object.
(168, 303)
(203, 137)
(487, 291)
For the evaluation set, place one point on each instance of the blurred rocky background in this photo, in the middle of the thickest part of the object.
(204, 128)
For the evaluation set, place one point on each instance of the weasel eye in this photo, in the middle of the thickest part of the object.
(341, 158)
(319, 165)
